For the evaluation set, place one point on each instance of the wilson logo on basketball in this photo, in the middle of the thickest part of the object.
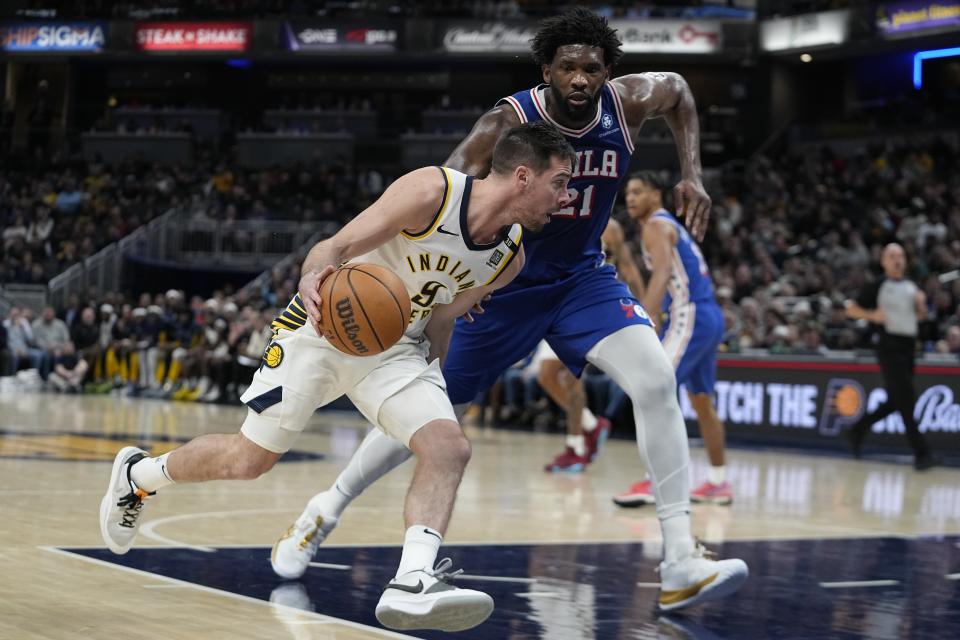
(348, 323)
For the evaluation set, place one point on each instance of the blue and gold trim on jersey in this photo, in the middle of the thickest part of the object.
(291, 318)
(420, 235)
(513, 248)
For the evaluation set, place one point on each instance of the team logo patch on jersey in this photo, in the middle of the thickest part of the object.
(633, 310)
(495, 258)
(273, 355)
(607, 121)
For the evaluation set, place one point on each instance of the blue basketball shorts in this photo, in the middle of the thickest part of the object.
(572, 314)
(691, 336)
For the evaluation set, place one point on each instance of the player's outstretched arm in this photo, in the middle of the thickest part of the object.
(627, 270)
(410, 203)
(474, 155)
(659, 239)
(667, 95)
(440, 327)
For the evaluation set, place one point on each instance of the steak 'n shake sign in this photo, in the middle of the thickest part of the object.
(193, 36)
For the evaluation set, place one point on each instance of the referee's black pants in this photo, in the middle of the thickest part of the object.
(896, 367)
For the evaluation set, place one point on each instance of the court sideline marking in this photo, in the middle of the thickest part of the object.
(272, 605)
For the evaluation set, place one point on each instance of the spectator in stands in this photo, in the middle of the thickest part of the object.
(20, 342)
(51, 334)
(86, 337)
(5, 356)
(951, 342)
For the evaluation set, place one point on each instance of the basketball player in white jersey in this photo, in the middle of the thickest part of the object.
(452, 240)
(585, 313)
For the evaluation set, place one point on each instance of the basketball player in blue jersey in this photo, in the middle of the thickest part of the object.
(681, 289)
(466, 237)
(567, 294)
(586, 432)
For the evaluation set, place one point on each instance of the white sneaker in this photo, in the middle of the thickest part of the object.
(295, 549)
(432, 602)
(698, 578)
(122, 505)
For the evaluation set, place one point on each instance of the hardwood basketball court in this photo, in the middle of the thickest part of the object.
(849, 549)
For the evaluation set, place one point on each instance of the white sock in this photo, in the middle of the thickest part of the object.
(717, 475)
(588, 421)
(150, 474)
(420, 547)
(578, 444)
(330, 503)
(677, 541)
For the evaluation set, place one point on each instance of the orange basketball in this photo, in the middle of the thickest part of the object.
(365, 309)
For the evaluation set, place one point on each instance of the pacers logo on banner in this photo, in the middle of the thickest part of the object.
(843, 405)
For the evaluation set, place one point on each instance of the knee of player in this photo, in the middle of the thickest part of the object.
(252, 466)
(443, 441)
(657, 384)
(461, 450)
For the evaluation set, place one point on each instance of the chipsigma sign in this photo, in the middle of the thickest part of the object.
(89, 36)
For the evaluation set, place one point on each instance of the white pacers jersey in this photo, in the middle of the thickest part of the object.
(436, 263)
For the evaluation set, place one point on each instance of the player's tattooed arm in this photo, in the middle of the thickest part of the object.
(409, 204)
(440, 327)
(659, 238)
(474, 155)
(668, 96)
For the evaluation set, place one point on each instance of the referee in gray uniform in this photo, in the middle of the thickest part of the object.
(897, 305)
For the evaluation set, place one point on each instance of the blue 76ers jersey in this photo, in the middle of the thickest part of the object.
(689, 278)
(571, 241)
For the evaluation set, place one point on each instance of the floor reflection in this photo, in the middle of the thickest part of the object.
(608, 591)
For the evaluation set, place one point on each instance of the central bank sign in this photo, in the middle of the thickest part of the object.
(638, 36)
(669, 36)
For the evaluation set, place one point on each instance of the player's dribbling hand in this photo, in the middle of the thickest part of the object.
(309, 290)
(693, 204)
(475, 309)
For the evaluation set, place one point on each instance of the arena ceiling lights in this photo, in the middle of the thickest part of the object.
(828, 28)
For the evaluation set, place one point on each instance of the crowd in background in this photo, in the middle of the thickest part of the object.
(159, 346)
(53, 218)
(792, 237)
(795, 235)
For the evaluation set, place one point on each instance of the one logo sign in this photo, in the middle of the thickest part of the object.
(273, 355)
(310, 37)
